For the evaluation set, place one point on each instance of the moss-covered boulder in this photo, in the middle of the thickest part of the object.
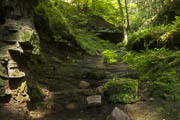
(123, 90)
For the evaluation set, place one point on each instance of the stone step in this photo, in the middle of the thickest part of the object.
(15, 73)
(9, 41)
(94, 100)
(15, 51)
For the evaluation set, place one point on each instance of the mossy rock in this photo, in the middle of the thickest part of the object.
(123, 90)
(22, 95)
(36, 93)
(3, 71)
(23, 87)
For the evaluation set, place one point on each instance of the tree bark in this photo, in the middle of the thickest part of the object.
(127, 15)
(123, 21)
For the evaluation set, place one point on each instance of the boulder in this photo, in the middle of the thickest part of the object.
(118, 114)
(84, 84)
(94, 100)
(104, 29)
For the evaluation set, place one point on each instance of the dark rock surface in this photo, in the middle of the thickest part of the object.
(104, 30)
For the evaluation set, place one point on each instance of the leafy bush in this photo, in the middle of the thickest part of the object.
(110, 56)
(171, 38)
(146, 38)
(122, 90)
(65, 22)
(158, 70)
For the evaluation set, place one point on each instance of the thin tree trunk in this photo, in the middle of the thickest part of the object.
(123, 21)
(93, 4)
(127, 15)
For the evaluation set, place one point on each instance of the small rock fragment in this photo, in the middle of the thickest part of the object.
(71, 106)
(117, 114)
(151, 99)
(100, 90)
(94, 100)
(84, 84)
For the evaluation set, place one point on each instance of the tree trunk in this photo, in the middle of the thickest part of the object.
(123, 21)
(128, 26)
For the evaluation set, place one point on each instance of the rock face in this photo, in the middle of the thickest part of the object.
(16, 26)
(118, 114)
(104, 29)
(94, 100)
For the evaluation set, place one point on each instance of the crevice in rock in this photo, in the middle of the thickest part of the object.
(5, 99)
(15, 83)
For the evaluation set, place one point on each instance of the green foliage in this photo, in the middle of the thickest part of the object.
(89, 42)
(167, 14)
(58, 24)
(157, 69)
(110, 56)
(176, 23)
(146, 38)
(138, 20)
(109, 10)
(65, 21)
(122, 90)
(171, 38)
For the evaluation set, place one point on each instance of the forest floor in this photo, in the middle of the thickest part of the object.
(65, 100)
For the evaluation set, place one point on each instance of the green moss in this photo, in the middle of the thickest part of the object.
(23, 87)
(122, 90)
(26, 35)
(22, 96)
(36, 93)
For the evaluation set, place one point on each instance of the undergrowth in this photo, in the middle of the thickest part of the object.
(66, 20)
(156, 36)
(122, 90)
(158, 69)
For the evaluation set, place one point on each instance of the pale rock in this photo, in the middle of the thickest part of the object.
(100, 90)
(94, 100)
(117, 114)
(71, 106)
(84, 84)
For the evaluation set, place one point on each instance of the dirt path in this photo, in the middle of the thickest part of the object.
(66, 101)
